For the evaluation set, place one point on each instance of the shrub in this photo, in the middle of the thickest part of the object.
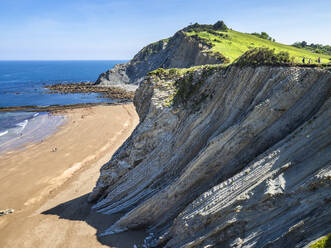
(264, 35)
(220, 25)
(158, 72)
(264, 56)
(221, 57)
(316, 48)
(323, 243)
(185, 88)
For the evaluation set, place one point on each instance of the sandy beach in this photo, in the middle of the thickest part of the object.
(47, 182)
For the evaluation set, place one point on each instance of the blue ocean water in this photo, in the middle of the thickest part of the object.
(22, 84)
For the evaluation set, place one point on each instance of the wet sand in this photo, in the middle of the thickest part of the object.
(33, 130)
(47, 182)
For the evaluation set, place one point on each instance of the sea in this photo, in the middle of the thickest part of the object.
(22, 84)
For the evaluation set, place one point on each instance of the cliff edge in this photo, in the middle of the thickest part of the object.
(179, 51)
(225, 157)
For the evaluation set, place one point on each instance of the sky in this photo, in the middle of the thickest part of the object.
(118, 29)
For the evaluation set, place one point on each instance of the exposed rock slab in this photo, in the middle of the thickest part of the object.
(242, 162)
(180, 51)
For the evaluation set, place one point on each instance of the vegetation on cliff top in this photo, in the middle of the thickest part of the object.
(218, 26)
(264, 56)
(264, 35)
(177, 72)
(153, 48)
(237, 48)
(315, 48)
(233, 44)
(183, 84)
(323, 243)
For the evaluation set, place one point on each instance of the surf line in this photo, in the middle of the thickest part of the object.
(4, 133)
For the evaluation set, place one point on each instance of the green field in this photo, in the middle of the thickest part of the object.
(233, 44)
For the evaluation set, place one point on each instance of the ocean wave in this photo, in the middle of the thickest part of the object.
(4, 133)
(22, 125)
(36, 114)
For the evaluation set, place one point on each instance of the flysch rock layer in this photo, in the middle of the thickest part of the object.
(180, 51)
(245, 161)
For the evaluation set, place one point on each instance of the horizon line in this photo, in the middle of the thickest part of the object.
(64, 60)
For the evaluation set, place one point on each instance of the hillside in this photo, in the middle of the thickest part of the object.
(179, 51)
(233, 44)
(315, 48)
(197, 45)
(234, 154)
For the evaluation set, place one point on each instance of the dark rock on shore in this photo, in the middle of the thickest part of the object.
(55, 108)
(106, 92)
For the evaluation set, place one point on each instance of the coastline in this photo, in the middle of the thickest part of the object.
(31, 130)
(39, 179)
(54, 108)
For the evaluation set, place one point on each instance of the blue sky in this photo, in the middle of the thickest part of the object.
(117, 29)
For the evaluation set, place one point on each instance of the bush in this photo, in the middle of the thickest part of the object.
(264, 35)
(220, 25)
(158, 72)
(316, 48)
(221, 57)
(264, 56)
(185, 88)
(323, 243)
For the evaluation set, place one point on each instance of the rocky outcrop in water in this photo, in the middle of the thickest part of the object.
(179, 51)
(225, 157)
(86, 87)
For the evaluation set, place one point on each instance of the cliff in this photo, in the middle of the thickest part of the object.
(225, 157)
(197, 44)
(179, 51)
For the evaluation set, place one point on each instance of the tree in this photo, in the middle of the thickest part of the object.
(264, 35)
(220, 25)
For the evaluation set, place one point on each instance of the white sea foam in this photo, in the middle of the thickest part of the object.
(22, 125)
(36, 114)
(4, 133)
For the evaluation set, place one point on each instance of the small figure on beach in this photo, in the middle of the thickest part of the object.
(319, 60)
(303, 60)
(6, 211)
(309, 61)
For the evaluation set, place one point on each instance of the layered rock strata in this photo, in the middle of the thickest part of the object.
(239, 157)
(179, 51)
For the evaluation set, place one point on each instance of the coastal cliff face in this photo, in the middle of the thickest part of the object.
(225, 157)
(179, 51)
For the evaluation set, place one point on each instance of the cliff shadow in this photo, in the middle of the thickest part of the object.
(79, 209)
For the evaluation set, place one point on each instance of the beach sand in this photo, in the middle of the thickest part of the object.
(47, 183)
(30, 131)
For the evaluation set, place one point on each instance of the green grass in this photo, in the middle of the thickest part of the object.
(323, 243)
(173, 72)
(181, 84)
(233, 44)
(264, 56)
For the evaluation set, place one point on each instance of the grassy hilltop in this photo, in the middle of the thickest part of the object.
(233, 44)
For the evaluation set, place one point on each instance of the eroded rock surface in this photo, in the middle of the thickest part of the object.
(243, 160)
(180, 51)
